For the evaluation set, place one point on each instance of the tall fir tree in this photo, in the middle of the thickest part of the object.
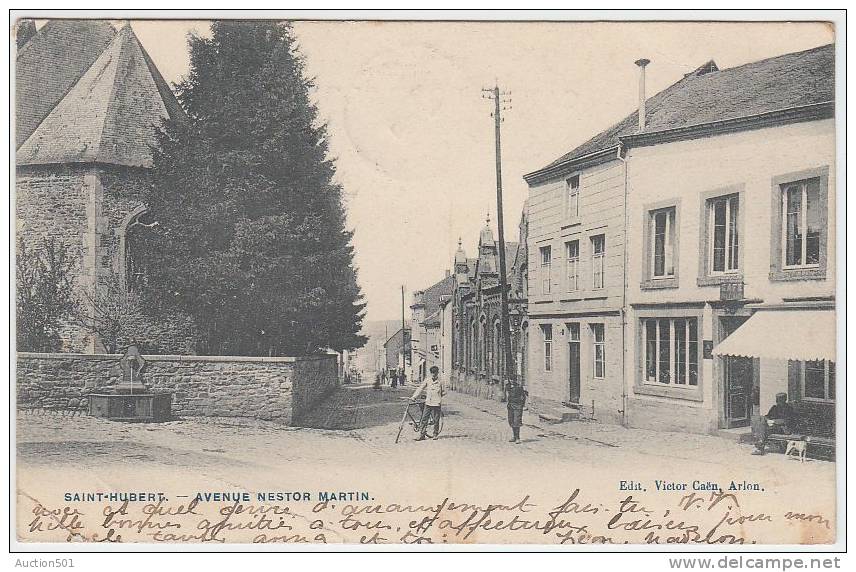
(251, 238)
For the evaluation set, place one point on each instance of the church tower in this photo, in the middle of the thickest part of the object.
(89, 101)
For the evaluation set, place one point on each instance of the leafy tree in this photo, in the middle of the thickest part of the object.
(112, 314)
(251, 238)
(44, 295)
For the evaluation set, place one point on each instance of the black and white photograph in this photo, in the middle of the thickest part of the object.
(426, 280)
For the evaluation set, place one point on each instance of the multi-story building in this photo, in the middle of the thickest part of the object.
(397, 349)
(722, 188)
(477, 354)
(576, 273)
(425, 325)
(731, 281)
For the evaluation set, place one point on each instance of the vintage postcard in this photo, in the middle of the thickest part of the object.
(462, 283)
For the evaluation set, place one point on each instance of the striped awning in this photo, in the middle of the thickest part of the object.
(805, 335)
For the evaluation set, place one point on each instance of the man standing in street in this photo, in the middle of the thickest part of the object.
(516, 395)
(434, 391)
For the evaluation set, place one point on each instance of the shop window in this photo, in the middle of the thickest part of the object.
(670, 351)
(816, 379)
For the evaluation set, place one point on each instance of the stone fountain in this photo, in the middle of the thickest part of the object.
(130, 399)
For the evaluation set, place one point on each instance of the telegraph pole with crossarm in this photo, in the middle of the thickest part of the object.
(500, 100)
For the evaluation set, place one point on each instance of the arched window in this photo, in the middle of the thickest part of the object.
(133, 272)
(485, 338)
(497, 348)
(472, 350)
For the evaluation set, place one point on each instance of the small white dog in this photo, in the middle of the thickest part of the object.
(797, 447)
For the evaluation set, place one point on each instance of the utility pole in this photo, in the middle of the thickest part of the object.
(403, 334)
(499, 100)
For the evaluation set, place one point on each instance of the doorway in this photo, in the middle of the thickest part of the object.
(574, 354)
(739, 379)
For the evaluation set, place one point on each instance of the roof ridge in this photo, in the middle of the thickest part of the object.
(704, 89)
(756, 62)
(110, 114)
(648, 100)
(40, 45)
(56, 118)
(23, 49)
(167, 95)
(114, 87)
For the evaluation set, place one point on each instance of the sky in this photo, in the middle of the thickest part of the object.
(413, 139)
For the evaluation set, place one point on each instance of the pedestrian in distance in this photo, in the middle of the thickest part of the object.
(434, 392)
(393, 377)
(516, 396)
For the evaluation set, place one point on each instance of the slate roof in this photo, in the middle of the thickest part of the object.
(432, 321)
(431, 295)
(50, 63)
(109, 115)
(708, 95)
(510, 256)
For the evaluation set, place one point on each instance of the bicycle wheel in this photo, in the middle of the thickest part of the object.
(416, 421)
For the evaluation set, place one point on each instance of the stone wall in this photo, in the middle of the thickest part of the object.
(475, 385)
(280, 389)
(87, 209)
(51, 203)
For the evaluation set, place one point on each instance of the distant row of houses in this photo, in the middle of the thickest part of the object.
(675, 271)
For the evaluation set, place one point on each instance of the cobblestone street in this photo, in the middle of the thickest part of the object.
(348, 445)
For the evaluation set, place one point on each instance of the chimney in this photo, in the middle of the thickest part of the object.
(448, 273)
(642, 63)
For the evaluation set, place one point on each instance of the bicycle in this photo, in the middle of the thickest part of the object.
(415, 419)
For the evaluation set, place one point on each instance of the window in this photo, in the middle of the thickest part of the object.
(474, 346)
(662, 235)
(801, 224)
(572, 190)
(599, 345)
(670, 351)
(547, 332)
(723, 235)
(546, 261)
(572, 255)
(598, 251)
(799, 230)
(136, 275)
(816, 379)
(497, 357)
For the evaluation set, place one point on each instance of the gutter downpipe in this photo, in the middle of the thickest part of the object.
(624, 376)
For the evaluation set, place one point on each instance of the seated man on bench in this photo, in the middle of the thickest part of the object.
(780, 420)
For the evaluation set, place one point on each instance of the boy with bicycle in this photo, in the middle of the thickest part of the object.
(434, 392)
